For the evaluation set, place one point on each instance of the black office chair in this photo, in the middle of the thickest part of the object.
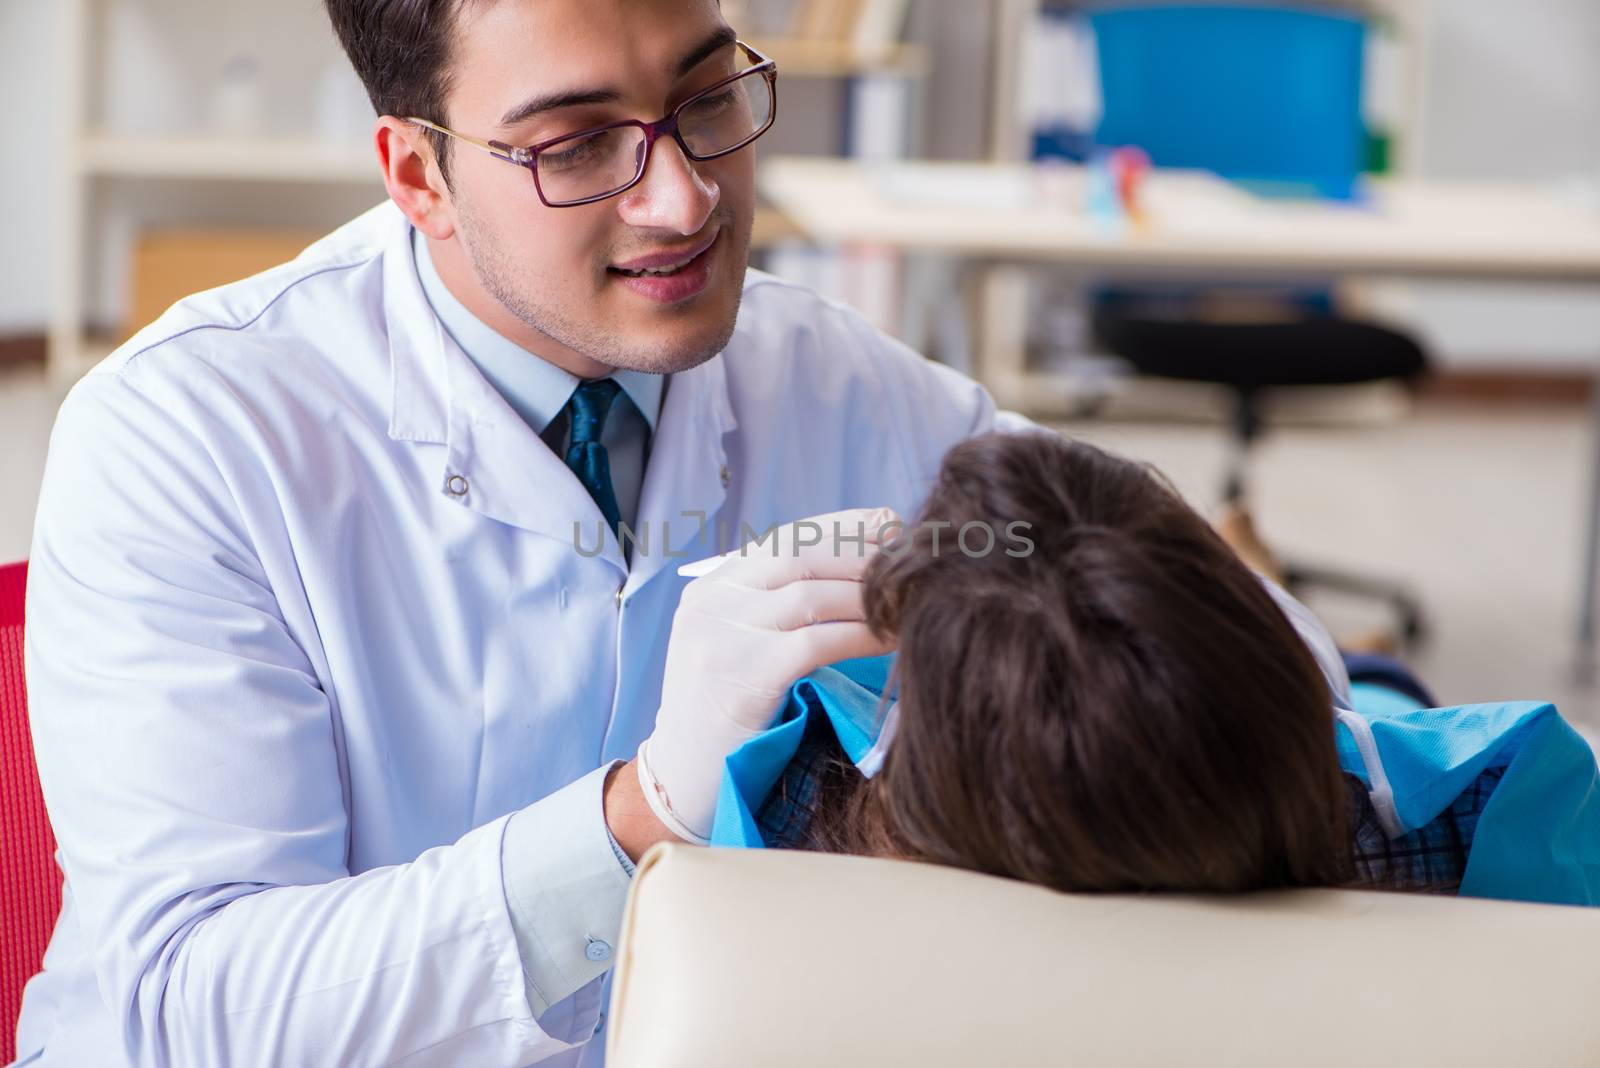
(1317, 349)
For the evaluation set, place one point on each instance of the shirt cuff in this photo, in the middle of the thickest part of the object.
(564, 889)
(622, 858)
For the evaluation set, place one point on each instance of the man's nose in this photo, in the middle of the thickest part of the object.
(673, 194)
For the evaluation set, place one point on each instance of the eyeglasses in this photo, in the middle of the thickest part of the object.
(593, 164)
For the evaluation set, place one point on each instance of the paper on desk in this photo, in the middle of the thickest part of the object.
(976, 186)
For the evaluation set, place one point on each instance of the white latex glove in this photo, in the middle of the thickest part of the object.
(741, 637)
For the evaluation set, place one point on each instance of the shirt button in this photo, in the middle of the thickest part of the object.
(598, 950)
(726, 477)
(601, 1022)
(456, 486)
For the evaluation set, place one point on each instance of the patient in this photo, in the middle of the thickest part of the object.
(1126, 708)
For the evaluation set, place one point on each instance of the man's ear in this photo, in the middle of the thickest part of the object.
(411, 174)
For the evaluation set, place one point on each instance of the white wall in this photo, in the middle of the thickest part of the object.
(1512, 92)
(30, 153)
(1513, 89)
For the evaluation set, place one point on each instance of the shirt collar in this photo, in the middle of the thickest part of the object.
(537, 389)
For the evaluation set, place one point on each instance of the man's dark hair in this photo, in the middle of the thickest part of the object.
(1124, 709)
(401, 50)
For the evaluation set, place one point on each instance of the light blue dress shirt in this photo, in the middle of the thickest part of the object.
(538, 391)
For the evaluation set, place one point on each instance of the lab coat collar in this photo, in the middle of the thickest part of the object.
(495, 464)
(416, 343)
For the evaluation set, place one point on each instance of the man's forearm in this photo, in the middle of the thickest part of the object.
(632, 824)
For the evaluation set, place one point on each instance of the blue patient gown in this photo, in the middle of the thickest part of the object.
(848, 693)
(1537, 837)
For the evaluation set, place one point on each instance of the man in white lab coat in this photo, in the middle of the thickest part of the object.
(338, 668)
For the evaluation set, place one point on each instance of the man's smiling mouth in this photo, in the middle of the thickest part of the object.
(664, 264)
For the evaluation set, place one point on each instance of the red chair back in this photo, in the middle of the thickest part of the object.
(30, 882)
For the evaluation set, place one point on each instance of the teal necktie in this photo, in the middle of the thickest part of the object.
(586, 418)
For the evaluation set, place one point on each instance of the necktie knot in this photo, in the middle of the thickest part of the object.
(591, 403)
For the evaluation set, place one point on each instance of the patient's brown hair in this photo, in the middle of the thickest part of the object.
(1124, 708)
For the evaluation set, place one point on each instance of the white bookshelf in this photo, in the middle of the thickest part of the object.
(223, 158)
(67, 344)
(95, 160)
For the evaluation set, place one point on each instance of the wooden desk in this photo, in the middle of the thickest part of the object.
(988, 215)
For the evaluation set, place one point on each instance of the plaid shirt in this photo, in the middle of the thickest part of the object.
(785, 816)
(1431, 859)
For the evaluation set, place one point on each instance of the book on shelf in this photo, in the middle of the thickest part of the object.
(868, 26)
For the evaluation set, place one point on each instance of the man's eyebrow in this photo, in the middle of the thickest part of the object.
(722, 38)
(537, 105)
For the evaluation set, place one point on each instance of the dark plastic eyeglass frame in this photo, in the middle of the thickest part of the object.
(528, 156)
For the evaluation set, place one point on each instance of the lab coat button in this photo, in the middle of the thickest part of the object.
(619, 594)
(456, 486)
(601, 1022)
(598, 950)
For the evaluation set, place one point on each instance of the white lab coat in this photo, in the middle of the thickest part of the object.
(306, 623)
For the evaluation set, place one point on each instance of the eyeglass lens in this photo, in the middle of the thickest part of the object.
(594, 164)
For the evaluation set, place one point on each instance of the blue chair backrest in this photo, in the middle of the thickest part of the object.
(1266, 94)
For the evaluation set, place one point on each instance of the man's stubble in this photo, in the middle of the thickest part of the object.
(486, 255)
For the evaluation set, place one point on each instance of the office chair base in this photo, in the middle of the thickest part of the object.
(1408, 612)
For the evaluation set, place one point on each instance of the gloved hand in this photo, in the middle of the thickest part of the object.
(741, 637)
